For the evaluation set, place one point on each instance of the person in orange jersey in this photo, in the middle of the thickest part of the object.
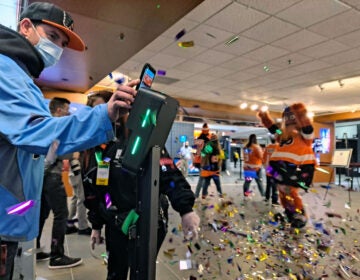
(253, 156)
(292, 165)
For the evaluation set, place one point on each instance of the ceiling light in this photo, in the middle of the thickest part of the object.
(254, 107)
(243, 105)
(264, 108)
(321, 88)
(231, 40)
(341, 83)
(310, 115)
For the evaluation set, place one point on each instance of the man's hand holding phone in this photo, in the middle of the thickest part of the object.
(120, 102)
(122, 99)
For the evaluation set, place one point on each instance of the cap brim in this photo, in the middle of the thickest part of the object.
(75, 41)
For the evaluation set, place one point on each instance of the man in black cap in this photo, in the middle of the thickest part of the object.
(27, 128)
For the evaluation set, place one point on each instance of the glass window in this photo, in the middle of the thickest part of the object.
(10, 11)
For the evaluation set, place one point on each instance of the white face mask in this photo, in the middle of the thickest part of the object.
(49, 51)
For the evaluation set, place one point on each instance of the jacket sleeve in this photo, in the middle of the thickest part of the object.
(175, 186)
(26, 122)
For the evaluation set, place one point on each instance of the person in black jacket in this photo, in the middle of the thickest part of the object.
(121, 190)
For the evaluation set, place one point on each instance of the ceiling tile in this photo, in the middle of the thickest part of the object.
(265, 53)
(270, 30)
(308, 12)
(352, 3)
(299, 40)
(259, 70)
(165, 60)
(239, 63)
(283, 74)
(256, 82)
(240, 76)
(338, 25)
(185, 84)
(324, 49)
(175, 50)
(213, 57)
(159, 44)
(228, 91)
(193, 66)
(143, 56)
(269, 7)
(289, 60)
(199, 78)
(239, 47)
(218, 72)
(236, 18)
(221, 82)
(310, 66)
(207, 36)
(351, 39)
(343, 57)
(207, 87)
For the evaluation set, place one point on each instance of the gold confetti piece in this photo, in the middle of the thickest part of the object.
(187, 44)
(263, 257)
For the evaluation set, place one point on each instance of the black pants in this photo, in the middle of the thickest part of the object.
(11, 248)
(118, 252)
(53, 198)
(271, 189)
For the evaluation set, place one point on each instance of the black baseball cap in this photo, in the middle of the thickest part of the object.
(53, 15)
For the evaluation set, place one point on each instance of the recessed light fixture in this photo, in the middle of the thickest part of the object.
(243, 105)
(231, 40)
(254, 107)
(264, 108)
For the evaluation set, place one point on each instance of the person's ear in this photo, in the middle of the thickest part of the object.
(58, 111)
(26, 27)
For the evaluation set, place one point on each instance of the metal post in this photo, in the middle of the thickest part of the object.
(240, 163)
(144, 266)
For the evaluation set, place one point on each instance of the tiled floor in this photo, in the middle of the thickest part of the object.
(260, 250)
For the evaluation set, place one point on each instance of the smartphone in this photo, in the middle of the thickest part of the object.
(147, 76)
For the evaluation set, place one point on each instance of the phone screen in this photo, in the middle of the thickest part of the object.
(147, 77)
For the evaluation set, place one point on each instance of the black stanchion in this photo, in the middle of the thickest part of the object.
(240, 163)
(143, 264)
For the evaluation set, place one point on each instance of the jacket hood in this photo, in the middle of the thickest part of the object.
(17, 47)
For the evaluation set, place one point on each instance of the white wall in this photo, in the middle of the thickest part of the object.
(350, 128)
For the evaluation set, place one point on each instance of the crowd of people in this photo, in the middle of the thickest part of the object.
(36, 140)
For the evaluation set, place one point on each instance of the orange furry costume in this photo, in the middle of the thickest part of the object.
(293, 163)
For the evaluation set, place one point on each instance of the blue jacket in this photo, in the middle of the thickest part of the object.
(26, 131)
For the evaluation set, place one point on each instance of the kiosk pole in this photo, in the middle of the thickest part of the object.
(143, 264)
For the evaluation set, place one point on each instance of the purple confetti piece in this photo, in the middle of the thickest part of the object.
(180, 34)
(20, 208)
(108, 200)
(161, 72)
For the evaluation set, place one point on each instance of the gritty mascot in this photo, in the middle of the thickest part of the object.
(293, 163)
